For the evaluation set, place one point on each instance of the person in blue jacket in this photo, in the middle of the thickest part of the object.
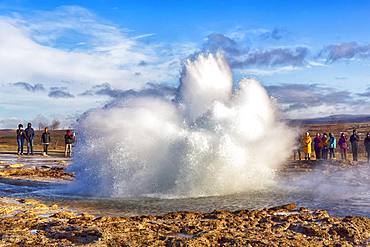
(20, 138)
(30, 134)
(332, 146)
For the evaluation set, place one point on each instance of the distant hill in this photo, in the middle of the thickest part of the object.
(343, 118)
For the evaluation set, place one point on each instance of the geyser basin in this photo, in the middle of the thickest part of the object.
(343, 190)
(207, 140)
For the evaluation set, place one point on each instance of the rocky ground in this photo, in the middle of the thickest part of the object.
(36, 173)
(35, 168)
(32, 223)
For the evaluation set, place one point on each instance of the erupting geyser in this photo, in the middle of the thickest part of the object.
(209, 140)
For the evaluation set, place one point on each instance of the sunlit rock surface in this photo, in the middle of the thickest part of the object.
(31, 223)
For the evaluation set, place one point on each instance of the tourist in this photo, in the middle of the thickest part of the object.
(343, 146)
(324, 146)
(30, 134)
(354, 139)
(332, 146)
(68, 140)
(45, 140)
(367, 146)
(297, 149)
(20, 138)
(317, 146)
(307, 143)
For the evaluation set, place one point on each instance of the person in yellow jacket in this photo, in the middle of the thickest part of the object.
(307, 143)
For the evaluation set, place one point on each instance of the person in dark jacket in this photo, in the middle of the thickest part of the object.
(30, 134)
(68, 140)
(20, 138)
(45, 140)
(317, 146)
(354, 139)
(367, 146)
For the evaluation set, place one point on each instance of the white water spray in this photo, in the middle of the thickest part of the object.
(211, 141)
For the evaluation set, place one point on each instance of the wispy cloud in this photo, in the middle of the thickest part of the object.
(217, 41)
(274, 34)
(365, 94)
(274, 57)
(150, 89)
(312, 100)
(60, 92)
(142, 36)
(29, 87)
(66, 26)
(345, 51)
(241, 57)
(73, 44)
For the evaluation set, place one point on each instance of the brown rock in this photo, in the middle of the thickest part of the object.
(289, 207)
(64, 215)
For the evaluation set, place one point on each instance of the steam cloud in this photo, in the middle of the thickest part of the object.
(210, 140)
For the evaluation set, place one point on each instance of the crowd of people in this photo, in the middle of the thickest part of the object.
(27, 136)
(324, 146)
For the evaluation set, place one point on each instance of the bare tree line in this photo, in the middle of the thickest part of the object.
(55, 124)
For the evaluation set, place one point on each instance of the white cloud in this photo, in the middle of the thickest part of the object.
(33, 49)
(73, 48)
(22, 59)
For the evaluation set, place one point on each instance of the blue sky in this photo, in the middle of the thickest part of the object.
(60, 58)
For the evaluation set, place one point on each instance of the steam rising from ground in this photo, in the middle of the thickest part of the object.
(344, 190)
(210, 140)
